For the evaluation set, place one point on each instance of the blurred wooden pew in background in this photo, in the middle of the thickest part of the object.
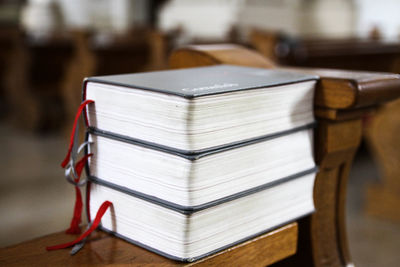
(137, 51)
(382, 134)
(41, 78)
(8, 37)
(34, 72)
(383, 128)
(350, 53)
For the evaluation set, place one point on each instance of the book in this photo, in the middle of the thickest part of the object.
(197, 109)
(191, 235)
(191, 181)
(197, 160)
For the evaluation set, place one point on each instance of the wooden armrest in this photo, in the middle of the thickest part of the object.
(205, 55)
(322, 237)
(343, 89)
(104, 249)
(342, 98)
(337, 89)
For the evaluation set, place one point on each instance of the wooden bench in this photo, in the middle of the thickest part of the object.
(342, 98)
(382, 128)
(33, 78)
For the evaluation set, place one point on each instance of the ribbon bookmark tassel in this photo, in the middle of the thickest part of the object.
(75, 132)
(73, 174)
(76, 219)
(74, 227)
(102, 210)
(74, 169)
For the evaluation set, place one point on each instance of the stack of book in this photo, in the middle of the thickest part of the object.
(197, 160)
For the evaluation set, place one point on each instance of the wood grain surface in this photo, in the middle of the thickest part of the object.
(343, 89)
(205, 55)
(382, 135)
(342, 98)
(337, 89)
(322, 236)
(104, 249)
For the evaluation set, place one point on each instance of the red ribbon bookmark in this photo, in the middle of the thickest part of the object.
(76, 170)
(73, 176)
(76, 219)
(71, 143)
(102, 210)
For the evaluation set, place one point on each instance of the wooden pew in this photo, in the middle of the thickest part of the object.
(317, 240)
(8, 38)
(342, 97)
(341, 53)
(382, 134)
(382, 128)
(33, 80)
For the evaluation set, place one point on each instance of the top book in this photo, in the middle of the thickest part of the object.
(196, 110)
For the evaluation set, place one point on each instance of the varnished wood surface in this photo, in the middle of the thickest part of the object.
(336, 144)
(382, 134)
(266, 43)
(341, 89)
(383, 197)
(322, 240)
(339, 96)
(323, 237)
(340, 53)
(341, 115)
(205, 55)
(104, 249)
(383, 202)
(336, 90)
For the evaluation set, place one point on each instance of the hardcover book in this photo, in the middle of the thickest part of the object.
(198, 109)
(193, 181)
(200, 159)
(191, 235)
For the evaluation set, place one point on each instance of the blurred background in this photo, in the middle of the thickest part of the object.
(49, 46)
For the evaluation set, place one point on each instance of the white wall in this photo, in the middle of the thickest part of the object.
(323, 18)
(384, 14)
(115, 15)
(207, 19)
(212, 19)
